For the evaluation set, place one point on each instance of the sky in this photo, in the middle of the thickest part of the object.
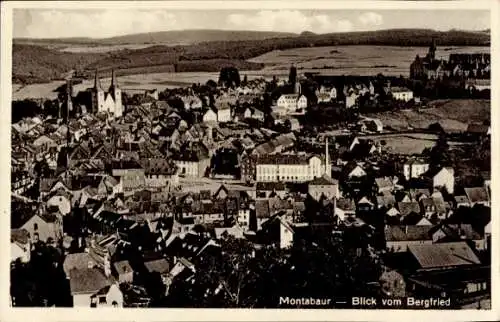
(102, 23)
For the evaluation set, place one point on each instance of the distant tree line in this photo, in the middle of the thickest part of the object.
(39, 64)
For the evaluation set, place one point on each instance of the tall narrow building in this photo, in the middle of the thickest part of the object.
(108, 102)
(432, 50)
(97, 95)
(292, 77)
(328, 163)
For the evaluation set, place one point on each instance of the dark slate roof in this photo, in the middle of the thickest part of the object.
(158, 266)
(459, 231)
(262, 208)
(477, 194)
(282, 159)
(20, 236)
(346, 204)
(89, 280)
(406, 208)
(386, 200)
(125, 164)
(193, 154)
(78, 261)
(443, 255)
(324, 180)
(157, 166)
(408, 233)
(271, 186)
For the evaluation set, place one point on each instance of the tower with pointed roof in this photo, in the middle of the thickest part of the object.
(108, 102)
(116, 94)
(292, 77)
(432, 50)
(328, 163)
(97, 95)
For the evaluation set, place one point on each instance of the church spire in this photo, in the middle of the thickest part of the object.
(328, 166)
(432, 49)
(114, 83)
(69, 99)
(97, 81)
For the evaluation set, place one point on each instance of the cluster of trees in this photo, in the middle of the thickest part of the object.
(42, 281)
(36, 64)
(446, 88)
(467, 160)
(240, 276)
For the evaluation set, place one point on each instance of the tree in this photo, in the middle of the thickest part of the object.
(241, 276)
(229, 77)
(439, 153)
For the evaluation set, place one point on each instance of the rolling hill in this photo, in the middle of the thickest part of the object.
(176, 37)
(40, 63)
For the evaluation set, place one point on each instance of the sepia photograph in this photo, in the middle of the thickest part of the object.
(250, 158)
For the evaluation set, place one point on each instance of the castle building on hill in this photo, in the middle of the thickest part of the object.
(107, 102)
(459, 66)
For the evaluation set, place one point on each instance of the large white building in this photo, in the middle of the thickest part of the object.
(292, 103)
(414, 169)
(292, 167)
(107, 102)
(402, 94)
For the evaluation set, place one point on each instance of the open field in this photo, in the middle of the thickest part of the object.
(455, 115)
(160, 81)
(38, 63)
(354, 60)
(408, 143)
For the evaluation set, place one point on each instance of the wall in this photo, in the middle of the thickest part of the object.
(81, 300)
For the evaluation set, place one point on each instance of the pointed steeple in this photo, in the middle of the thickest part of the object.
(432, 49)
(328, 166)
(69, 100)
(114, 83)
(97, 82)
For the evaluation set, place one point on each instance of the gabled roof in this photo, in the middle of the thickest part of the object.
(262, 208)
(77, 261)
(406, 208)
(271, 186)
(408, 233)
(460, 231)
(444, 255)
(324, 180)
(386, 200)
(20, 236)
(157, 266)
(87, 281)
(477, 194)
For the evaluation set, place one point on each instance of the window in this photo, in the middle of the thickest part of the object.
(102, 299)
(115, 304)
(35, 226)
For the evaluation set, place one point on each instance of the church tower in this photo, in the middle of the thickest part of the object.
(116, 94)
(432, 50)
(292, 77)
(297, 88)
(328, 163)
(97, 95)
